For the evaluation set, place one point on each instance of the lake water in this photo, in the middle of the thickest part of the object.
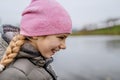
(89, 58)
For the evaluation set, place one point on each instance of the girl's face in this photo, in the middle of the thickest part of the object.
(49, 45)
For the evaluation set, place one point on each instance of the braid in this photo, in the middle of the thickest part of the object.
(12, 50)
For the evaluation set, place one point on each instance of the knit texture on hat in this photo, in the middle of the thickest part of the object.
(45, 17)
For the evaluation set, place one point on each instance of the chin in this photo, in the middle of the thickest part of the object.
(47, 57)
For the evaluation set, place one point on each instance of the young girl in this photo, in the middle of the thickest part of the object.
(44, 27)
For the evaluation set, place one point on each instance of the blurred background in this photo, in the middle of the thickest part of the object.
(93, 49)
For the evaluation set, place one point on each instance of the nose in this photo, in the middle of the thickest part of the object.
(63, 45)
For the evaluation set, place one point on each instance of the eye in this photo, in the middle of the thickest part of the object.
(61, 37)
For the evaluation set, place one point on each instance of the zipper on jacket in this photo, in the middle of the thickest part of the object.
(48, 70)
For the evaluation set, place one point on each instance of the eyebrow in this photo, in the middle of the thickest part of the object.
(63, 35)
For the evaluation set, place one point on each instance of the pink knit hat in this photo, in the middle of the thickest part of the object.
(45, 17)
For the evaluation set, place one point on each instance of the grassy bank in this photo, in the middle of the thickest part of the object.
(115, 30)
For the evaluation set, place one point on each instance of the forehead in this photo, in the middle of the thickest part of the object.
(65, 35)
(62, 34)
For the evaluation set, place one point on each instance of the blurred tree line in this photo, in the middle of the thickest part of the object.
(107, 23)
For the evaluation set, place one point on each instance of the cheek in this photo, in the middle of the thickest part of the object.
(54, 44)
(41, 46)
(46, 46)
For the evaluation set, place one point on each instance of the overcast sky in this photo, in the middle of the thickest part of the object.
(81, 11)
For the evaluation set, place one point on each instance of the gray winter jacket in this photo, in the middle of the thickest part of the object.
(28, 65)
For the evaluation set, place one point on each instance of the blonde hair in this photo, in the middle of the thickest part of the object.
(12, 50)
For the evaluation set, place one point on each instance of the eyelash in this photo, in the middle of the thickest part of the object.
(61, 38)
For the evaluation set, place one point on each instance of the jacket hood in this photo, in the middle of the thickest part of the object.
(27, 50)
(10, 31)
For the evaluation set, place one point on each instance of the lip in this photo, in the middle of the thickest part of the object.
(54, 51)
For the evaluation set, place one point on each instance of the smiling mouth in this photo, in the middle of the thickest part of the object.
(54, 51)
